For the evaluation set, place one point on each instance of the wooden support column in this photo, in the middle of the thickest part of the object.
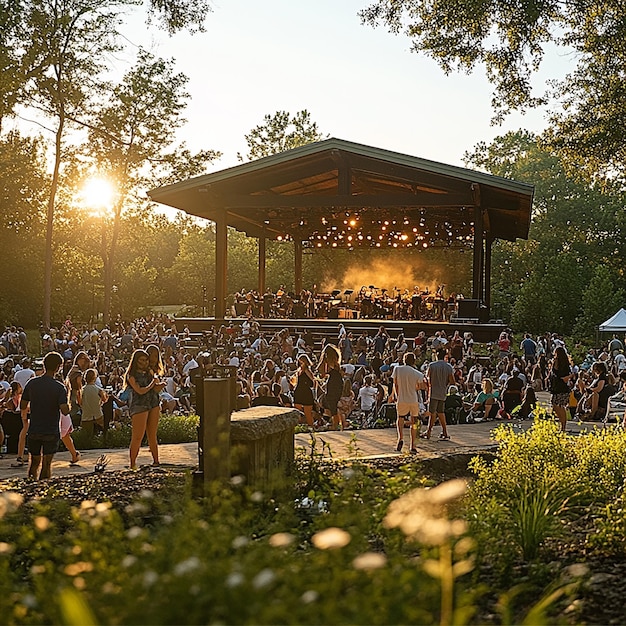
(221, 267)
(216, 429)
(477, 266)
(261, 265)
(487, 273)
(297, 254)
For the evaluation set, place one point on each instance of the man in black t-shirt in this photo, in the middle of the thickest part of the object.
(46, 397)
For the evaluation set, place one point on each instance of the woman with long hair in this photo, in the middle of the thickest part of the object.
(15, 427)
(144, 385)
(304, 387)
(330, 367)
(560, 375)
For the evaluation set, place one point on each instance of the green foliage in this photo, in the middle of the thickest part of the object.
(23, 182)
(178, 428)
(611, 528)
(172, 429)
(322, 549)
(177, 15)
(540, 284)
(510, 40)
(541, 479)
(280, 132)
(168, 559)
(600, 298)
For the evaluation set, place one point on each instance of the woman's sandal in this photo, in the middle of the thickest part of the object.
(76, 461)
(399, 445)
(443, 437)
(425, 435)
(19, 462)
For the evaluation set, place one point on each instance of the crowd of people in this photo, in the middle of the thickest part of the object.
(146, 367)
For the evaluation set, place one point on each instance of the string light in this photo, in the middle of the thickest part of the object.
(417, 228)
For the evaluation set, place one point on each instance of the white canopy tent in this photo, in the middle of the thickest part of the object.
(615, 324)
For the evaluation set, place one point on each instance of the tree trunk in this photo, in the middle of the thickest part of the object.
(47, 298)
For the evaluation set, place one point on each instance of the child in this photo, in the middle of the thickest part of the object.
(92, 399)
(346, 403)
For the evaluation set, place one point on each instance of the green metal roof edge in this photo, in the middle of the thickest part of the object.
(361, 149)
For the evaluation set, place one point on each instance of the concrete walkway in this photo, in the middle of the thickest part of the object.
(348, 444)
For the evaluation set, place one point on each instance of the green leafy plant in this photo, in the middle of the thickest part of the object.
(172, 429)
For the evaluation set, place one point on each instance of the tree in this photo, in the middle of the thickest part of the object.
(69, 42)
(23, 185)
(11, 78)
(132, 141)
(510, 40)
(600, 299)
(576, 227)
(280, 132)
(52, 56)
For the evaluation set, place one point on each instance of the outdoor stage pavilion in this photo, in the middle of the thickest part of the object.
(339, 194)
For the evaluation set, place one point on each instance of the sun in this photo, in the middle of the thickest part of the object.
(97, 194)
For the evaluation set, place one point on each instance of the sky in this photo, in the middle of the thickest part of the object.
(359, 83)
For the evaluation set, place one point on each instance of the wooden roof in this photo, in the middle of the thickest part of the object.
(345, 194)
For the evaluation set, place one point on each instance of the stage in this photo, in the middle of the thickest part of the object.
(318, 328)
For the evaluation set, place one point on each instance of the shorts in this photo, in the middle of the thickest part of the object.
(42, 444)
(331, 403)
(436, 406)
(408, 408)
(65, 425)
(560, 399)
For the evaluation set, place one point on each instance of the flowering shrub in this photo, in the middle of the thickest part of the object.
(540, 479)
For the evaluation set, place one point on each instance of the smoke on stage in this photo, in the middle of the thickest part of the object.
(385, 274)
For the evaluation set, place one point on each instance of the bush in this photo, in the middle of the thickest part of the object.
(172, 429)
(540, 479)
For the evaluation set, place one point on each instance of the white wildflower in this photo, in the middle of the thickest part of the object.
(134, 531)
(239, 542)
(187, 566)
(29, 600)
(281, 540)
(421, 514)
(234, 580)
(263, 579)
(369, 560)
(331, 538)
(310, 596)
(128, 561)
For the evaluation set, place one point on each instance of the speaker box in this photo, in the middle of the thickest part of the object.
(468, 309)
